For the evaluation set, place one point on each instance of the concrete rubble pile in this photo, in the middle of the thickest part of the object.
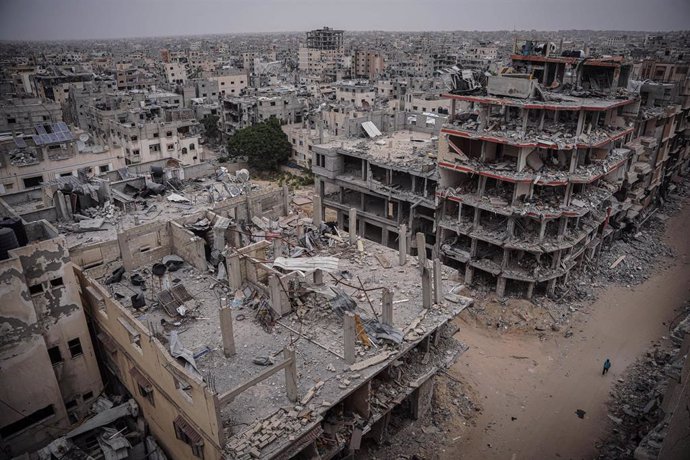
(637, 412)
(284, 423)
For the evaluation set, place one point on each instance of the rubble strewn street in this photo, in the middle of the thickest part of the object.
(224, 241)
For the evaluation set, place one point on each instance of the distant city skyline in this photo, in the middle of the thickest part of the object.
(110, 19)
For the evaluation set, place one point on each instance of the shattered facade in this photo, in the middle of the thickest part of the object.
(50, 375)
(389, 182)
(542, 169)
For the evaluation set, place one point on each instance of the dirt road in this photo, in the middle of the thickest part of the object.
(530, 390)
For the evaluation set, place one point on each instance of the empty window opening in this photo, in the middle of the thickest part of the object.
(57, 282)
(75, 347)
(55, 355)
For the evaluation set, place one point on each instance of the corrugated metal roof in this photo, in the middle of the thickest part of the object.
(371, 129)
(307, 264)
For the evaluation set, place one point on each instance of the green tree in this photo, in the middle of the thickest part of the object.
(265, 145)
(211, 130)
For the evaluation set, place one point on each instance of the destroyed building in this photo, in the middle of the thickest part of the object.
(322, 53)
(20, 115)
(388, 181)
(51, 151)
(204, 353)
(50, 376)
(533, 176)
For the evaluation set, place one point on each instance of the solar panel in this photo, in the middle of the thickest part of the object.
(19, 142)
(60, 127)
(40, 129)
(65, 136)
(37, 139)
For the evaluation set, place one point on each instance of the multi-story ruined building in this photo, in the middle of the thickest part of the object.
(533, 177)
(389, 180)
(22, 115)
(242, 111)
(368, 64)
(193, 363)
(49, 376)
(153, 134)
(322, 52)
(52, 151)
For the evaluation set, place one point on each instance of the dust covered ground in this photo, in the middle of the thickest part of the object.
(530, 383)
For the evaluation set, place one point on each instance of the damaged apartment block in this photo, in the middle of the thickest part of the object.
(49, 376)
(532, 176)
(388, 181)
(246, 332)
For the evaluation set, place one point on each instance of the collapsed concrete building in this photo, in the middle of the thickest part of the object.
(542, 170)
(389, 182)
(533, 174)
(293, 294)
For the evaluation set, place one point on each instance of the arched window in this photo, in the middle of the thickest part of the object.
(192, 147)
(184, 150)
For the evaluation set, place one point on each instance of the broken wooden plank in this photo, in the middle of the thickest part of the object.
(385, 263)
(618, 260)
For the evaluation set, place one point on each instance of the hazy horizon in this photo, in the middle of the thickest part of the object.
(45, 20)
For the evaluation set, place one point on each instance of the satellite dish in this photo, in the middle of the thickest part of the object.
(84, 137)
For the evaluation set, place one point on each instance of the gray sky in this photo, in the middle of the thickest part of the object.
(83, 19)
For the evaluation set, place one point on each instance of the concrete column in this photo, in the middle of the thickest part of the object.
(286, 199)
(226, 331)
(426, 287)
(274, 289)
(511, 227)
(500, 286)
(551, 287)
(473, 248)
(580, 123)
(530, 289)
(421, 249)
(234, 271)
(352, 225)
(477, 214)
(291, 374)
(506, 258)
(402, 244)
(482, 185)
(60, 205)
(469, 274)
(277, 247)
(318, 211)
(349, 337)
(556, 261)
(562, 227)
(525, 117)
(438, 281)
(387, 306)
(318, 277)
(542, 229)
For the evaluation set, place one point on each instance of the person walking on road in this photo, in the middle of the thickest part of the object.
(607, 366)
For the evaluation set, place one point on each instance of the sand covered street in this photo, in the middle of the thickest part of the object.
(531, 389)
